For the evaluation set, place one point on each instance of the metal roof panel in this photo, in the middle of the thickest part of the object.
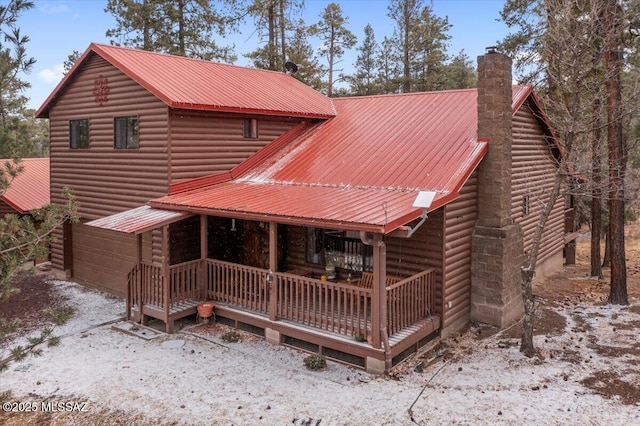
(203, 85)
(138, 220)
(374, 210)
(30, 189)
(415, 141)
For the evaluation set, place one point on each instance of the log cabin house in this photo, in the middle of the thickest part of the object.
(293, 212)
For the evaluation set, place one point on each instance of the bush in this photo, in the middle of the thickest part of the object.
(231, 337)
(315, 362)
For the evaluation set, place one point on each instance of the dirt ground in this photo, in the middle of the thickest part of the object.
(573, 285)
(565, 289)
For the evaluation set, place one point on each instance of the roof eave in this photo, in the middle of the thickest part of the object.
(14, 206)
(267, 217)
(245, 111)
(43, 111)
(540, 113)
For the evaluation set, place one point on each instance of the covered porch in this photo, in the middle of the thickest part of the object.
(338, 315)
(368, 318)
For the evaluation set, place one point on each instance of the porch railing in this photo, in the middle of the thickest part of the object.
(146, 285)
(186, 281)
(336, 307)
(410, 300)
(339, 308)
(152, 283)
(238, 285)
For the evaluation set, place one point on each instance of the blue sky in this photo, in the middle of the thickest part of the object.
(58, 27)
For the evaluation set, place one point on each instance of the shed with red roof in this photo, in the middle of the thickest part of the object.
(29, 190)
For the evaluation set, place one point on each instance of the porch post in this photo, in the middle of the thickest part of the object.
(273, 267)
(203, 280)
(379, 296)
(165, 269)
(137, 281)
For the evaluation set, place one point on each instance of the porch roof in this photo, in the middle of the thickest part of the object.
(379, 210)
(138, 220)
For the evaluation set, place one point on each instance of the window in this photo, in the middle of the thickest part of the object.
(328, 247)
(125, 132)
(79, 134)
(251, 128)
(526, 206)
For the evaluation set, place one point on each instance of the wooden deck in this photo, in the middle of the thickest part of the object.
(328, 316)
(178, 310)
(334, 345)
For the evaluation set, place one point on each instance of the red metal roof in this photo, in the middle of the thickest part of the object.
(30, 189)
(138, 220)
(358, 209)
(203, 85)
(361, 169)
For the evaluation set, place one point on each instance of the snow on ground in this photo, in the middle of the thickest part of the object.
(194, 378)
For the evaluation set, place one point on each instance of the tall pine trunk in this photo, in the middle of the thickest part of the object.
(596, 193)
(613, 58)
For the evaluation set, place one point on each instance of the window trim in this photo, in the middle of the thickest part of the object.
(127, 119)
(76, 134)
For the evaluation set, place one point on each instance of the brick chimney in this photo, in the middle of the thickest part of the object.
(497, 248)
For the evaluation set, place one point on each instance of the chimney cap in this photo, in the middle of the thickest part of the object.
(491, 49)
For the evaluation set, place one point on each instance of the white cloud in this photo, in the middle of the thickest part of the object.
(51, 75)
(54, 8)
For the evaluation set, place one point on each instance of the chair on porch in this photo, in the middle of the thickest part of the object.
(367, 280)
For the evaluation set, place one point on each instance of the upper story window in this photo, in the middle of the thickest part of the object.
(125, 132)
(79, 134)
(251, 128)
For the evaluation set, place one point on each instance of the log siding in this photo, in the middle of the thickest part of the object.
(106, 180)
(533, 174)
(460, 220)
(203, 143)
(173, 145)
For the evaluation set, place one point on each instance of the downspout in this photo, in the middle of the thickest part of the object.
(383, 314)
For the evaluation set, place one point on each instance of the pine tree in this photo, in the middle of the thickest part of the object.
(429, 51)
(388, 78)
(459, 73)
(273, 21)
(335, 38)
(178, 27)
(300, 52)
(13, 62)
(364, 81)
(406, 14)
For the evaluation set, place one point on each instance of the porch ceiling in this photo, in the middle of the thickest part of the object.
(379, 210)
(138, 220)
